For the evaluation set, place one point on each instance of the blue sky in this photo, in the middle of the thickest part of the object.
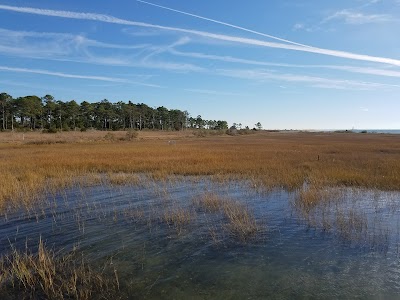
(287, 64)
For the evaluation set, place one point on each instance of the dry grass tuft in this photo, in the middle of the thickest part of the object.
(241, 223)
(25, 275)
(210, 202)
(311, 196)
(177, 217)
(121, 178)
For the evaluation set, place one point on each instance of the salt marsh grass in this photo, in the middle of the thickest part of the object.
(48, 275)
(241, 222)
(210, 202)
(283, 160)
(177, 217)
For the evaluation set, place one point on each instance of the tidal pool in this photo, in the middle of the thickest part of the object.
(344, 247)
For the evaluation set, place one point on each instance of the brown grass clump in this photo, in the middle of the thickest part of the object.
(311, 196)
(241, 223)
(25, 275)
(121, 178)
(211, 202)
(177, 217)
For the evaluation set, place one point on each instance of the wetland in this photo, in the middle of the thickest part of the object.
(266, 215)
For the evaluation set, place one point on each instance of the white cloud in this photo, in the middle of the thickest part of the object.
(162, 49)
(59, 74)
(55, 46)
(76, 48)
(12, 36)
(298, 26)
(213, 92)
(369, 71)
(222, 23)
(69, 47)
(313, 81)
(77, 76)
(352, 69)
(140, 33)
(235, 39)
(358, 18)
(369, 3)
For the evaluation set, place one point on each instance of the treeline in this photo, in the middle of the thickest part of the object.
(46, 113)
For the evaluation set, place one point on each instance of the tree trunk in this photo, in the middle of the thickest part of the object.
(4, 120)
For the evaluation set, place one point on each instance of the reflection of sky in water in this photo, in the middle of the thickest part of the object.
(295, 254)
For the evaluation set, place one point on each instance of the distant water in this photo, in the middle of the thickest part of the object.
(378, 131)
(388, 131)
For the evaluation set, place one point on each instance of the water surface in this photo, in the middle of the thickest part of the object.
(344, 248)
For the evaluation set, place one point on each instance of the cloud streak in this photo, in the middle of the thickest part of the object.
(358, 18)
(224, 23)
(75, 39)
(76, 48)
(213, 92)
(227, 38)
(368, 71)
(313, 81)
(74, 76)
(352, 69)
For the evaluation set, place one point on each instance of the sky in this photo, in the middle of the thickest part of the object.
(288, 64)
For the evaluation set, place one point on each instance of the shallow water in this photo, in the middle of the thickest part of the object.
(344, 248)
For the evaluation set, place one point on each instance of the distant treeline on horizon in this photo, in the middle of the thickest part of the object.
(46, 113)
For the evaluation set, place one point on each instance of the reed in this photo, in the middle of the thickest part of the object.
(351, 225)
(310, 197)
(177, 217)
(122, 178)
(210, 202)
(44, 275)
(241, 223)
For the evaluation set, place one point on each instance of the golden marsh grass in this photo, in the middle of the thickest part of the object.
(44, 275)
(241, 222)
(177, 217)
(210, 202)
(269, 160)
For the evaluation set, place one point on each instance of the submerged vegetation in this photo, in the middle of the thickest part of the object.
(241, 223)
(45, 275)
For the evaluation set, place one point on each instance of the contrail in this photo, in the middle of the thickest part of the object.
(226, 24)
(312, 80)
(360, 70)
(66, 75)
(59, 74)
(221, 37)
